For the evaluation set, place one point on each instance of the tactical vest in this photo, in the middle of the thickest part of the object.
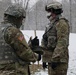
(7, 54)
(51, 31)
(51, 34)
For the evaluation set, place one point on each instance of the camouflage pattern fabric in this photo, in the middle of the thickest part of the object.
(60, 53)
(13, 69)
(46, 57)
(15, 10)
(57, 37)
(15, 54)
(55, 5)
(15, 38)
(61, 69)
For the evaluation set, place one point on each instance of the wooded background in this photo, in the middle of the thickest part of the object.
(36, 15)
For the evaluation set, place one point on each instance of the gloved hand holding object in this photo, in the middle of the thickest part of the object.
(35, 41)
(34, 45)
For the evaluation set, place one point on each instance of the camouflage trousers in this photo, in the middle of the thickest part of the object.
(13, 69)
(61, 69)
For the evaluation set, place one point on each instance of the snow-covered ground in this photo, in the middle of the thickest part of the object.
(72, 51)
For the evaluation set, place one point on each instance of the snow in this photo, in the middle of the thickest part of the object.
(72, 51)
(72, 54)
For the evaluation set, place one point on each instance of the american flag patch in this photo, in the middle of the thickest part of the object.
(21, 38)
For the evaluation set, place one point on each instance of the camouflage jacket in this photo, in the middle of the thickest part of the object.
(15, 53)
(15, 38)
(57, 40)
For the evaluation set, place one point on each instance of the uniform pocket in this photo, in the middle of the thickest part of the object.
(52, 41)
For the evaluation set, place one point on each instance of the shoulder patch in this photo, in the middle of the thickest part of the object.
(21, 38)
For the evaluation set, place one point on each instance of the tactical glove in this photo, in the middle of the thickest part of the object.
(35, 41)
(54, 65)
(35, 47)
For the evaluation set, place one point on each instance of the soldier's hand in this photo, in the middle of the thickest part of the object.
(35, 41)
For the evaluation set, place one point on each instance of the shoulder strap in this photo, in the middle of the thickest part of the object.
(51, 27)
(5, 31)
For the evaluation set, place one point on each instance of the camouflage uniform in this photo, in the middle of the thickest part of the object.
(15, 54)
(57, 41)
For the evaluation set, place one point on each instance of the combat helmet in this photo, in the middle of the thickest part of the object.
(15, 10)
(54, 7)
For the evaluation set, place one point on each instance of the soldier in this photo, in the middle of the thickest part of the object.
(15, 54)
(56, 40)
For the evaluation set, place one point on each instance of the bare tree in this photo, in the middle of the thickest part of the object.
(23, 3)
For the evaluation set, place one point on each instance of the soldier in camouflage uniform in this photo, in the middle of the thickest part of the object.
(15, 54)
(56, 41)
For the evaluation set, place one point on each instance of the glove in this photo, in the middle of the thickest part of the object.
(39, 57)
(35, 47)
(54, 65)
(35, 41)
